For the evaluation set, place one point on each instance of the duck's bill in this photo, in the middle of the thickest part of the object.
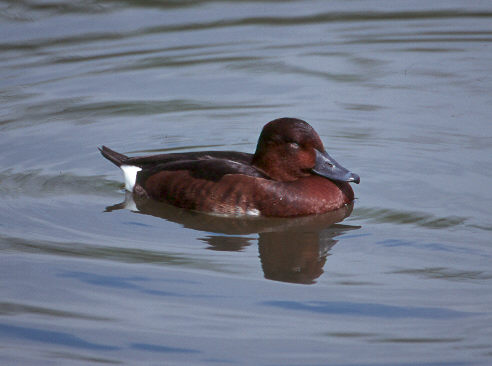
(327, 167)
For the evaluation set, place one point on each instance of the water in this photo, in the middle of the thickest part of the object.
(400, 92)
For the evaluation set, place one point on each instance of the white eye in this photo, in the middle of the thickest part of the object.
(293, 145)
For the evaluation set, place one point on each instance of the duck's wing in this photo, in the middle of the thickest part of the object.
(151, 161)
(206, 167)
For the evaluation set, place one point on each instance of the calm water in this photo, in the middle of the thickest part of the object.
(400, 92)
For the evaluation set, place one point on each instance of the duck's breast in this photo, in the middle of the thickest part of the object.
(306, 196)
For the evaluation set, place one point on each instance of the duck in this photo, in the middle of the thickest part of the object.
(290, 174)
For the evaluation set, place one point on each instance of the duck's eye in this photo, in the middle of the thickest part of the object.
(293, 145)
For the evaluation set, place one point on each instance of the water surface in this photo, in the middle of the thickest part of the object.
(400, 93)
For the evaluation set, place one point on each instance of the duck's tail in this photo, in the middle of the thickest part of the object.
(129, 171)
(115, 157)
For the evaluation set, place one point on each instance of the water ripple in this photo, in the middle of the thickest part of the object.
(321, 18)
(446, 274)
(10, 308)
(274, 21)
(384, 215)
(77, 109)
(50, 337)
(93, 252)
(368, 309)
(34, 183)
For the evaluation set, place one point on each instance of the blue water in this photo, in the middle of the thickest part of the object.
(400, 93)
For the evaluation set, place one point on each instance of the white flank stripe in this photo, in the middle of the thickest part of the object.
(130, 173)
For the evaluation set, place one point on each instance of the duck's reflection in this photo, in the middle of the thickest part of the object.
(296, 257)
(227, 243)
(291, 250)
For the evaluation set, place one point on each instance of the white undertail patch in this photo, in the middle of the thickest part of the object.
(253, 212)
(130, 174)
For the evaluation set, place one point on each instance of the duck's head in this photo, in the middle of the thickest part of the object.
(289, 149)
